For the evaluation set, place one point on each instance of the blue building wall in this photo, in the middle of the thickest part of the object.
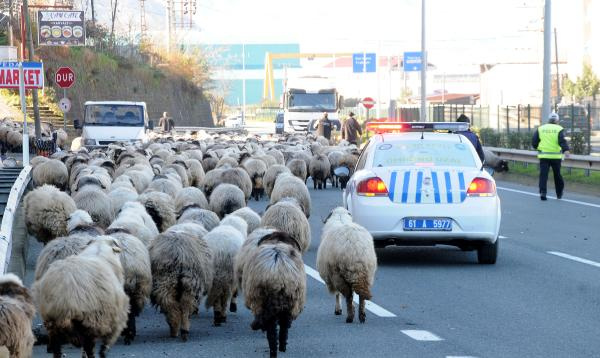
(229, 56)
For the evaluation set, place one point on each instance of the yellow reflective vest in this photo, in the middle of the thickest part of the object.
(549, 148)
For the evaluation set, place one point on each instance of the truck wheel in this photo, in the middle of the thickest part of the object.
(487, 253)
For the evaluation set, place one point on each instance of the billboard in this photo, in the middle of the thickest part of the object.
(359, 65)
(413, 61)
(33, 74)
(61, 28)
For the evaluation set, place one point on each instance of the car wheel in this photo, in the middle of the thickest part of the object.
(487, 253)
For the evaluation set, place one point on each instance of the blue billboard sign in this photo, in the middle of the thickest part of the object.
(413, 61)
(364, 62)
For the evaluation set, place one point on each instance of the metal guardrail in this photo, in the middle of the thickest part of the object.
(208, 129)
(8, 219)
(586, 162)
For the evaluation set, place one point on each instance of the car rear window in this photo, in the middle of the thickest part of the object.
(423, 153)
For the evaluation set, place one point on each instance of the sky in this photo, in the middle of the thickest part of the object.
(457, 31)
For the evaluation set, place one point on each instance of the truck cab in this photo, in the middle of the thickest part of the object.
(107, 122)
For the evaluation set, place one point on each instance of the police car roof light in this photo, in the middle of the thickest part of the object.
(396, 127)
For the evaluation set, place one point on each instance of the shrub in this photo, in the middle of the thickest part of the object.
(578, 145)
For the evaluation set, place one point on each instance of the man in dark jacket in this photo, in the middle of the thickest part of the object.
(472, 137)
(549, 140)
(324, 127)
(166, 123)
(351, 130)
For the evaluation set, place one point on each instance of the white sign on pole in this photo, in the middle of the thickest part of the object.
(64, 104)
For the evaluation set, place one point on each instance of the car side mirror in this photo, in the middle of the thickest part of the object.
(77, 124)
(151, 125)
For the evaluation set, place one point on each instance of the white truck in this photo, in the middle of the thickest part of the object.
(107, 122)
(305, 99)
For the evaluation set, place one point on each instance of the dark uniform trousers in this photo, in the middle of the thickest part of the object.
(545, 165)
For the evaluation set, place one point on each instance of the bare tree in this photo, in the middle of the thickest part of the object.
(113, 9)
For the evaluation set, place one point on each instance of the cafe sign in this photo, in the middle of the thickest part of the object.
(61, 28)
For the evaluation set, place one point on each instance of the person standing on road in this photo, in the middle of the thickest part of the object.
(472, 137)
(324, 126)
(351, 130)
(549, 140)
(165, 122)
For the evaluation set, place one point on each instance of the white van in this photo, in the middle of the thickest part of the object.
(107, 122)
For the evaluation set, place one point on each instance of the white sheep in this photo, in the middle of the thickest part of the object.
(16, 313)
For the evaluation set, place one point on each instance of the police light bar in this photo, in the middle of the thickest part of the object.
(399, 127)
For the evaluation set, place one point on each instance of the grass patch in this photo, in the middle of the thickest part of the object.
(575, 175)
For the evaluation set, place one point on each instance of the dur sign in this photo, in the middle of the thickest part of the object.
(60, 28)
(33, 74)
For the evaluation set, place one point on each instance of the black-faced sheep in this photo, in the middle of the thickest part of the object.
(16, 312)
(182, 274)
(347, 262)
(274, 285)
(319, 169)
(225, 199)
(493, 161)
(256, 169)
(289, 186)
(81, 298)
(47, 211)
(271, 175)
(53, 172)
(287, 216)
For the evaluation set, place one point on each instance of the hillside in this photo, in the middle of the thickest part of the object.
(103, 77)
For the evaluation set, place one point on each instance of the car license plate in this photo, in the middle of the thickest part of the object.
(427, 224)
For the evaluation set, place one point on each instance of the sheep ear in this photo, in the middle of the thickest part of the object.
(328, 216)
(116, 246)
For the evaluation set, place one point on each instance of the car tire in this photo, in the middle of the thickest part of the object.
(487, 253)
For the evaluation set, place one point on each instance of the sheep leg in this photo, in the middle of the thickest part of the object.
(284, 325)
(103, 349)
(185, 325)
(349, 307)
(232, 303)
(55, 344)
(338, 304)
(130, 331)
(272, 337)
(315, 183)
(362, 316)
(174, 321)
(88, 346)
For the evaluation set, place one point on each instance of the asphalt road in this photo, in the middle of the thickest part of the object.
(537, 301)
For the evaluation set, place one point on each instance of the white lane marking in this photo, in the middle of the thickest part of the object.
(502, 237)
(461, 357)
(421, 335)
(374, 308)
(549, 196)
(575, 258)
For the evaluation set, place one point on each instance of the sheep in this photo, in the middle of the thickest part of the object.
(208, 219)
(290, 186)
(46, 212)
(119, 196)
(209, 163)
(225, 199)
(137, 276)
(335, 158)
(16, 313)
(250, 216)
(134, 219)
(319, 169)
(211, 180)
(271, 175)
(299, 168)
(256, 169)
(227, 162)
(347, 262)
(287, 216)
(249, 244)
(345, 169)
(196, 172)
(165, 184)
(97, 203)
(190, 196)
(81, 298)
(274, 285)
(237, 223)
(195, 229)
(279, 158)
(53, 172)
(182, 273)
(238, 177)
(224, 241)
(160, 207)
(493, 161)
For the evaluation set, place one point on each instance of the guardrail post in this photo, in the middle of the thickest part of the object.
(507, 119)
(572, 121)
(498, 115)
(589, 131)
(519, 118)
(586, 172)
(529, 118)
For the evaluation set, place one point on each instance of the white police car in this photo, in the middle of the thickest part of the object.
(415, 185)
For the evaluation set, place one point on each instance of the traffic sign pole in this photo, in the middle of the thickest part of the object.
(24, 109)
(65, 112)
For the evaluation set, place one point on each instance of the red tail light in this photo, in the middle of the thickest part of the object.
(481, 187)
(372, 187)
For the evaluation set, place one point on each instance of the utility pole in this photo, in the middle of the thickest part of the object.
(557, 73)
(423, 114)
(10, 17)
(547, 56)
(243, 83)
(93, 13)
(34, 92)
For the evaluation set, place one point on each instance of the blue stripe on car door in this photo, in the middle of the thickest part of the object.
(405, 186)
(461, 181)
(448, 186)
(392, 186)
(436, 188)
(419, 183)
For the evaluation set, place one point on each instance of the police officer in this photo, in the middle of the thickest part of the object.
(550, 142)
(324, 126)
(472, 137)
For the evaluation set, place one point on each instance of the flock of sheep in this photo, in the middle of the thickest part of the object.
(11, 135)
(167, 222)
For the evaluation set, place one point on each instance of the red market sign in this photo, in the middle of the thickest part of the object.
(33, 75)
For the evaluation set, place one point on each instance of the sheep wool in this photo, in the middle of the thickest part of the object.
(53, 172)
(287, 216)
(226, 198)
(16, 312)
(47, 211)
(251, 217)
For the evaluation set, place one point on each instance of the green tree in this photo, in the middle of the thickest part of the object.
(588, 85)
